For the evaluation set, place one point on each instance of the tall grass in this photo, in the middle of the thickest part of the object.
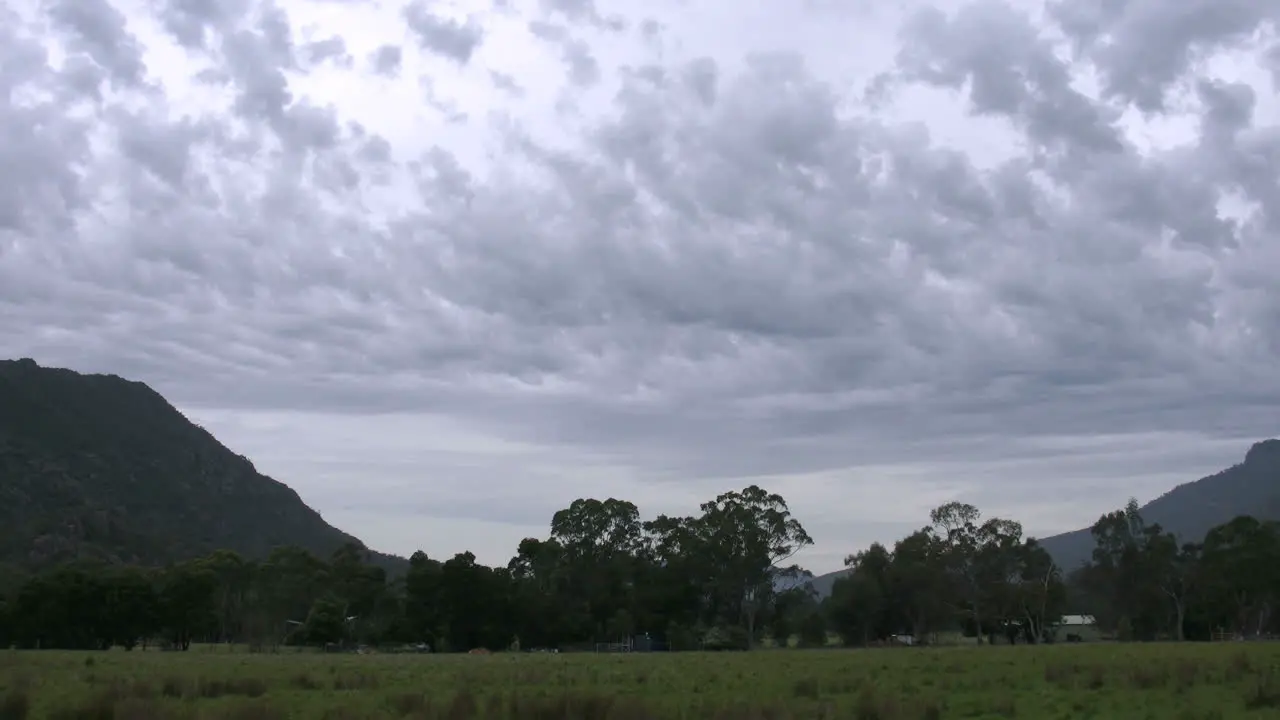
(1182, 682)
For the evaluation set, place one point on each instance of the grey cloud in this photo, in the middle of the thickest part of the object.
(262, 89)
(191, 22)
(161, 148)
(584, 71)
(579, 62)
(1011, 70)
(444, 106)
(1228, 108)
(331, 49)
(550, 32)
(506, 83)
(275, 34)
(81, 79)
(1273, 60)
(254, 42)
(702, 76)
(725, 274)
(99, 30)
(583, 12)
(447, 37)
(43, 150)
(1142, 47)
(308, 126)
(374, 151)
(572, 9)
(387, 60)
(650, 29)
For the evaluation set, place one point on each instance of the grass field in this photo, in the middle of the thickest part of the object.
(1132, 682)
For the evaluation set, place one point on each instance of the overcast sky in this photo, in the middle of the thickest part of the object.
(445, 267)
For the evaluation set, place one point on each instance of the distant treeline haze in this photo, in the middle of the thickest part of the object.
(719, 579)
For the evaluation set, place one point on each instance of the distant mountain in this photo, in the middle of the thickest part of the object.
(95, 466)
(1192, 509)
(1189, 510)
(822, 584)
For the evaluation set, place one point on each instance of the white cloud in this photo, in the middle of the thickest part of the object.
(444, 275)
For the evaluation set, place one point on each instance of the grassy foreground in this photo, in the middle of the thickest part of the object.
(1192, 682)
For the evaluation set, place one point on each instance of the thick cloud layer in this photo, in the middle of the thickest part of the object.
(445, 268)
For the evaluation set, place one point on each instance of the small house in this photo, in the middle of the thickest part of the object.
(1078, 628)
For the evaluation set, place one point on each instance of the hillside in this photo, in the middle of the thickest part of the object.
(1192, 509)
(95, 466)
(822, 584)
(1189, 510)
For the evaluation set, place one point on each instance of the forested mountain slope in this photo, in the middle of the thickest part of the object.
(95, 466)
(1191, 509)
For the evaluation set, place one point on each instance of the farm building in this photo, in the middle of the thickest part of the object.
(1078, 628)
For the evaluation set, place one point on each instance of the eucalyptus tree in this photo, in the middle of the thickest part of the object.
(977, 556)
(1240, 571)
(747, 537)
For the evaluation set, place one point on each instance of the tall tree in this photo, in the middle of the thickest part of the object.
(601, 544)
(919, 585)
(132, 605)
(358, 586)
(424, 600)
(677, 580)
(1125, 574)
(859, 605)
(541, 594)
(187, 604)
(234, 578)
(977, 556)
(1039, 591)
(747, 537)
(1241, 571)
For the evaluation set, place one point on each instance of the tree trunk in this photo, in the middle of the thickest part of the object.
(977, 611)
(1242, 614)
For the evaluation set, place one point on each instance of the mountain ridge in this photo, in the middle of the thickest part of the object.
(96, 466)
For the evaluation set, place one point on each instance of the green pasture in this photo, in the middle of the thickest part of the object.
(1130, 682)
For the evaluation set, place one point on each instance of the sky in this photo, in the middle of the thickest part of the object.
(444, 267)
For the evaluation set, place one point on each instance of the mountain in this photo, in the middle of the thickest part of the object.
(96, 466)
(822, 584)
(1190, 510)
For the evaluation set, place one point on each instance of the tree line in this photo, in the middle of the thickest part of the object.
(984, 579)
(718, 579)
